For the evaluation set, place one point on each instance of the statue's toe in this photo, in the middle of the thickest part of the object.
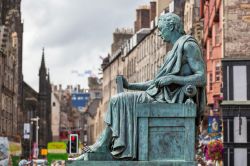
(87, 149)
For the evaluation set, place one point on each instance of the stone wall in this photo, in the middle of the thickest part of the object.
(237, 29)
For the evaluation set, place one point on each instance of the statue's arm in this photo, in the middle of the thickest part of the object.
(196, 63)
(142, 86)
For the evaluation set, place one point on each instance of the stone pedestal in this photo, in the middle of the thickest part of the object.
(98, 156)
(130, 163)
(166, 136)
(166, 132)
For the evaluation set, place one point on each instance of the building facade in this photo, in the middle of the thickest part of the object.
(55, 115)
(236, 79)
(61, 107)
(88, 122)
(236, 111)
(193, 25)
(212, 12)
(11, 31)
(111, 65)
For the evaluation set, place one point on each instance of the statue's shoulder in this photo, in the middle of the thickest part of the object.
(192, 49)
(190, 43)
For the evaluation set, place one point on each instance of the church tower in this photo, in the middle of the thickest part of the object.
(42, 76)
(44, 105)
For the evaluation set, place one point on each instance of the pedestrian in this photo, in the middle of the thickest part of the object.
(22, 162)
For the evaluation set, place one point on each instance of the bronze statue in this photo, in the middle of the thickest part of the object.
(183, 69)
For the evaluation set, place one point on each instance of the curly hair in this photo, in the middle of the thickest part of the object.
(172, 19)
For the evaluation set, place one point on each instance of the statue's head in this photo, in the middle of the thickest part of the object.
(168, 24)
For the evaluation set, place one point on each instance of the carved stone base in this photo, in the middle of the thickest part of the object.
(131, 163)
(98, 156)
(166, 132)
(166, 137)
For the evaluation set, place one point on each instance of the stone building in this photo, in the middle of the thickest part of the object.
(119, 37)
(68, 107)
(55, 115)
(60, 108)
(236, 82)
(212, 12)
(11, 32)
(192, 23)
(236, 29)
(162, 5)
(144, 59)
(88, 123)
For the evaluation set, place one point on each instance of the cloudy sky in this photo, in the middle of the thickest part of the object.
(75, 33)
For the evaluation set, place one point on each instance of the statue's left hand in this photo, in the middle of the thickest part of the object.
(163, 81)
(124, 81)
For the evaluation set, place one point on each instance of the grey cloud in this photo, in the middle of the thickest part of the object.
(74, 32)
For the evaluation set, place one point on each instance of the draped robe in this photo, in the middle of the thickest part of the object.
(121, 114)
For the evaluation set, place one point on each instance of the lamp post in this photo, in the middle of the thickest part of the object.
(30, 106)
(37, 127)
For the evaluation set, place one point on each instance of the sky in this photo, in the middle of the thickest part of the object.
(74, 33)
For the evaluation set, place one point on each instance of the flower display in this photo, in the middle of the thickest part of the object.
(214, 150)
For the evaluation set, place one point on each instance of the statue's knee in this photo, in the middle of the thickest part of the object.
(116, 97)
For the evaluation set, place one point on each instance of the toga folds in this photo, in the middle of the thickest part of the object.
(121, 113)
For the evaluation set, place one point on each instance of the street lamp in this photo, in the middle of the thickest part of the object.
(30, 106)
(37, 127)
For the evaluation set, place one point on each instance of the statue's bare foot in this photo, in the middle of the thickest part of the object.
(97, 147)
(102, 143)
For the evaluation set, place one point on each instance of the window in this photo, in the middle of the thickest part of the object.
(80, 98)
(14, 39)
(210, 49)
(217, 34)
(240, 83)
(97, 95)
(54, 104)
(217, 72)
(210, 81)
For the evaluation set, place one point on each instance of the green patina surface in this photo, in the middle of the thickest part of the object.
(131, 163)
(166, 131)
(166, 134)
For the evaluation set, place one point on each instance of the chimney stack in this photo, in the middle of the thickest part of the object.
(142, 18)
(152, 10)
